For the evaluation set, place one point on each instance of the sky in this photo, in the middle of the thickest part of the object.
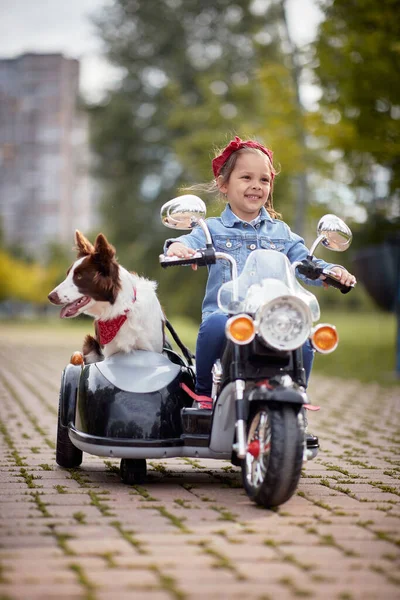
(64, 26)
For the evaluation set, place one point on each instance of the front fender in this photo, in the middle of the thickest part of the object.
(278, 394)
(68, 394)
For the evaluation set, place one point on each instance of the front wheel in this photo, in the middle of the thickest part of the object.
(272, 466)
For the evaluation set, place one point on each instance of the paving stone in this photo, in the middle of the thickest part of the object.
(99, 547)
(133, 592)
(41, 592)
(323, 543)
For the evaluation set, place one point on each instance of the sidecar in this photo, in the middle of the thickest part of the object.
(130, 406)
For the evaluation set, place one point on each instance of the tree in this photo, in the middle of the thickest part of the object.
(357, 56)
(358, 53)
(194, 74)
(29, 282)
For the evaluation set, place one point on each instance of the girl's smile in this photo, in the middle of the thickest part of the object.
(249, 185)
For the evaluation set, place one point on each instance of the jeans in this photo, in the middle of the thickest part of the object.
(210, 346)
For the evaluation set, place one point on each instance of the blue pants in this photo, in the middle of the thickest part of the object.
(210, 346)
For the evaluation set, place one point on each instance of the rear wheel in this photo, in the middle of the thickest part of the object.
(272, 466)
(67, 455)
(133, 471)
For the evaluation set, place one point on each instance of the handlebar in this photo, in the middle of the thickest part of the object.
(202, 258)
(331, 279)
(312, 271)
(208, 256)
(205, 256)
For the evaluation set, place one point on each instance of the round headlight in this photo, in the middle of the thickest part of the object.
(284, 323)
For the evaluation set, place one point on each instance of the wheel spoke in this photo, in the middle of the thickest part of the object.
(260, 435)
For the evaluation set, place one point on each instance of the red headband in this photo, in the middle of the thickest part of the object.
(232, 147)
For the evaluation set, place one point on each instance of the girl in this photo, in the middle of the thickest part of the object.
(244, 174)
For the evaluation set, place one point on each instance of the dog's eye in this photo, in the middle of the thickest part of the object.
(78, 276)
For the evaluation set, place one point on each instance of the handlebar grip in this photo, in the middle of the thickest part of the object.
(333, 282)
(201, 258)
(174, 261)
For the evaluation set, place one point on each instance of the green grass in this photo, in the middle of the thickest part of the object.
(366, 348)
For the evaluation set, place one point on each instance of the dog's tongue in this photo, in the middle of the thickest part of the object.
(70, 310)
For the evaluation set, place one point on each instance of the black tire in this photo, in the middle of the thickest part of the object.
(133, 471)
(271, 478)
(67, 455)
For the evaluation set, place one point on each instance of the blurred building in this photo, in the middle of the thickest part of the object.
(46, 191)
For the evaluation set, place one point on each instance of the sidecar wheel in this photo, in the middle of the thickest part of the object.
(133, 471)
(272, 467)
(67, 455)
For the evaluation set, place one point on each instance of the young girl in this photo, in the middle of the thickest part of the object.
(244, 174)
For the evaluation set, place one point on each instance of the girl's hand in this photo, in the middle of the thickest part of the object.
(346, 278)
(181, 251)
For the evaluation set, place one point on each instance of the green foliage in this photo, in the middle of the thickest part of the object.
(357, 57)
(194, 74)
(23, 281)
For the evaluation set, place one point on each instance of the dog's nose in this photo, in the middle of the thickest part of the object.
(53, 297)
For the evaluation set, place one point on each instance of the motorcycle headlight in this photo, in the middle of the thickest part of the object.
(284, 323)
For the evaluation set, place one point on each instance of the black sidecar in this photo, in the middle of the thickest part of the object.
(133, 407)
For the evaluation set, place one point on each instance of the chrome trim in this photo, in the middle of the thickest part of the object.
(317, 242)
(183, 212)
(256, 467)
(216, 379)
(234, 271)
(206, 231)
(240, 446)
(140, 452)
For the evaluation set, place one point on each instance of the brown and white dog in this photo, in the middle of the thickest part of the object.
(127, 313)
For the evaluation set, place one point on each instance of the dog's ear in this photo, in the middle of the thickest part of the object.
(83, 246)
(104, 250)
(108, 271)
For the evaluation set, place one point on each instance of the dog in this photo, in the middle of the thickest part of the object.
(125, 307)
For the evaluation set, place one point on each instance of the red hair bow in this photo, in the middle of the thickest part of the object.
(232, 147)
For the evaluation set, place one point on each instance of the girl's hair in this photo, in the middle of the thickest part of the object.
(213, 187)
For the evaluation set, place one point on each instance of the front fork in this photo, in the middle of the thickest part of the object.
(237, 375)
(241, 444)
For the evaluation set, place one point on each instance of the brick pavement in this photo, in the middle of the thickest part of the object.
(190, 532)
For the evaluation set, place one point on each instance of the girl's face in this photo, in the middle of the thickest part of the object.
(249, 185)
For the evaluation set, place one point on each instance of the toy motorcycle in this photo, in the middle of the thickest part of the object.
(140, 405)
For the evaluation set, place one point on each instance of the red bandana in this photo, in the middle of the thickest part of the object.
(232, 147)
(107, 330)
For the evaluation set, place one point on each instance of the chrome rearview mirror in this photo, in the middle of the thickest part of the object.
(183, 212)
(333, 233)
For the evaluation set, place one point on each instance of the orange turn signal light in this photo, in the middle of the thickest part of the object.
(76, 358)
(324, 338)
(240, 329)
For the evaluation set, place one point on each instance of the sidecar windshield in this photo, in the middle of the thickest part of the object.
(267, 274)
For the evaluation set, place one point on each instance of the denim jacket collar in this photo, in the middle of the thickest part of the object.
(229, 219)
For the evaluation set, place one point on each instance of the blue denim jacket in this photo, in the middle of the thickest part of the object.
(238, 238)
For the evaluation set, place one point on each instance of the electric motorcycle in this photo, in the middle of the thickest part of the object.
(142, 405)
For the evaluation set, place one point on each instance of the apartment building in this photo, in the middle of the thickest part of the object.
(46, 191)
